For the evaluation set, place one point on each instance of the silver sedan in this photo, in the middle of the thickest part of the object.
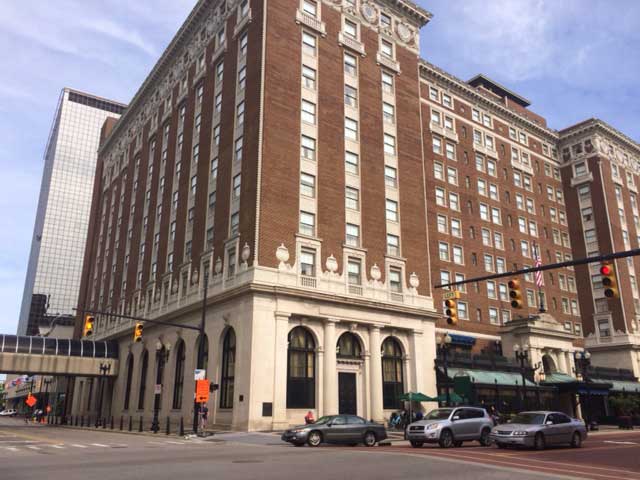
(540, 429)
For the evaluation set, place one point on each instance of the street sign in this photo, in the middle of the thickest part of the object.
(158, 389)
(452, 294)
(202, 391)
(31, 400)
(199, 374)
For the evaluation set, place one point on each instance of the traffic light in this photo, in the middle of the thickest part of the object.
(514, 293)
(451, 311)
(609, 283)
(88, 325)
(137, 332)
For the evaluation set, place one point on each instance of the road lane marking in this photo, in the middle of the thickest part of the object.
(175, 443)
(11, 449)
(57, 446)
(78, 446)
(621, 443)
(18, 441)
(33, 447)
(100, 445)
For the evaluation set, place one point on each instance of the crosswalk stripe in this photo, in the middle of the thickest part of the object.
(100, 445)
(57, 446)
(33, 447)
(78, 446)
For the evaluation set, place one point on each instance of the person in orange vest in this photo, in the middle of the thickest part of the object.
(308, 418)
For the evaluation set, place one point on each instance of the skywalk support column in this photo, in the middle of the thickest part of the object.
(377, 411)
(330, 365)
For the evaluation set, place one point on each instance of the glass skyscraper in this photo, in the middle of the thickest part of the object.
(60, 232)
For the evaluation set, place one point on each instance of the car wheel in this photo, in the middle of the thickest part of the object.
(446, 439)
(539, 442)
(416, 444)
(576, 440)
(314, 439)
(457, 443)
(369, 439)
(485, 439)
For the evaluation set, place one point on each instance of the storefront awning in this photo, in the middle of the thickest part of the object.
(620, 385)
(558, 377)
(462, 339)
(489, 377)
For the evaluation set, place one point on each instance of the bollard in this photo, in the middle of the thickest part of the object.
(168, 425)
(121, 422)
(76, 421)
(111, 424)
(130, 423)
(81, 421)
(181, 427)
(140, 426)
(104, 423)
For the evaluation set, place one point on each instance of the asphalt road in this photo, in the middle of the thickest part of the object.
(55, 453)
(604, 455)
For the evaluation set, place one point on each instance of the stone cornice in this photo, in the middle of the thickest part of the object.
(470, 93)
(597, 125)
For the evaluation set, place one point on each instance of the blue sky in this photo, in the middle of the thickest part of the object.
(573, 59)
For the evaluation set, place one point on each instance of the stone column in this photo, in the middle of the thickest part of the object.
(367, 386)
(280, 371)
(417, 341)
(562, 361)
(570, 363)
(330, 384)
(377, 412)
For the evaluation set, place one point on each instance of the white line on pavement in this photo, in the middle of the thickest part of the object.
(620, 443)
(78, 446)
(11, 449)
(100, 445)
(33, 447)
(57, 446)
(175, 443)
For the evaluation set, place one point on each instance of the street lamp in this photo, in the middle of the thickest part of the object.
(522, 355)
(445, 343)
(162, 355)
(583, 362)
(200, 362)
(104, 369)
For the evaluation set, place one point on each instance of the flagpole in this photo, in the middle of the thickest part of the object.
(539, 284)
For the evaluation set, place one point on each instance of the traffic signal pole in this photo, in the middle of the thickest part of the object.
(542, 268)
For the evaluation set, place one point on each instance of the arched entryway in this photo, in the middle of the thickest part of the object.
(392, 373)
(349, 359)
(301, 369)
(548, 364)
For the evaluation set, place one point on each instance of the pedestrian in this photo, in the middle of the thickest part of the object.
(419, 415)
(308, 418)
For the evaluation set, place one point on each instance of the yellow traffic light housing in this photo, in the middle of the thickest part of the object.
(87, 330)
(451, 311)
(515, 294)
(137, 332)
(609, 283)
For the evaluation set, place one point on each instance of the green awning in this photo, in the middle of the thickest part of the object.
(558, 377)
(620, 385)
(416, 397)
(489, 377)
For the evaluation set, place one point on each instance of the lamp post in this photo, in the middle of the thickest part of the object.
(583, 362)
(200, 361)
(104, 369)
(522, 356)
(162, 355)
(445, 343)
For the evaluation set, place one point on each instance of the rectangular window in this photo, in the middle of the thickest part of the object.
(310, 7)
(437, 145)
(350, 129)
(307, 223)
(351, 163)
(456, 228)
(452, 175)
(308, 77)
(352, 198)
(442, 224)
(235, 223)
(308, 262)
(450, 151)
(387, 82)
(354, 271)
(350, 96)
(389, 144)
(386, 48)
(458, 255)
(237, 180)
(395, 280)
(390, 176)
(243, 44)
(454, 203)
(440, 197)
(491, 289)
(240, 114)
(309, 43)
(392, 210)
(218, 103)
(393, 245)
(308, 112)
(493, 316)
(238, 149)
(353, 235)
(350, 29)
(388, 112)
(350, 65)
(308, 148)
(443, 251)
(242, 78)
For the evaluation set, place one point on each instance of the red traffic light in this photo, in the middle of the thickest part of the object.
(606, 270)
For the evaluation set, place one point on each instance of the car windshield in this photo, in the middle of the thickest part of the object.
(322, 420)
(439, 414)
(529, 418)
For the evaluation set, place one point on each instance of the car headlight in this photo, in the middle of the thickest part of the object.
(301, 430)
(520, 433)
(432, 426)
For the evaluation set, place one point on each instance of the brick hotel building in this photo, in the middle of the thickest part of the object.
(301, 165)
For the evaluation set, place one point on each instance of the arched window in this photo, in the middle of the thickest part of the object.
(127, 388)
(178, 383)
(548, 364)
(392, 374)
(205, 351)
(143, 379)
(228, 369)
(349, 346)
(301, 369)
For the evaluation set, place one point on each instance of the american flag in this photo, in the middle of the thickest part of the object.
(539, 275)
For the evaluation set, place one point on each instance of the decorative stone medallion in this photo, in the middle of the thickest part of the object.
(404, 32)
(369, 13)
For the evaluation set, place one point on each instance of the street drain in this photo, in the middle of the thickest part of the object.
(247, 461)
